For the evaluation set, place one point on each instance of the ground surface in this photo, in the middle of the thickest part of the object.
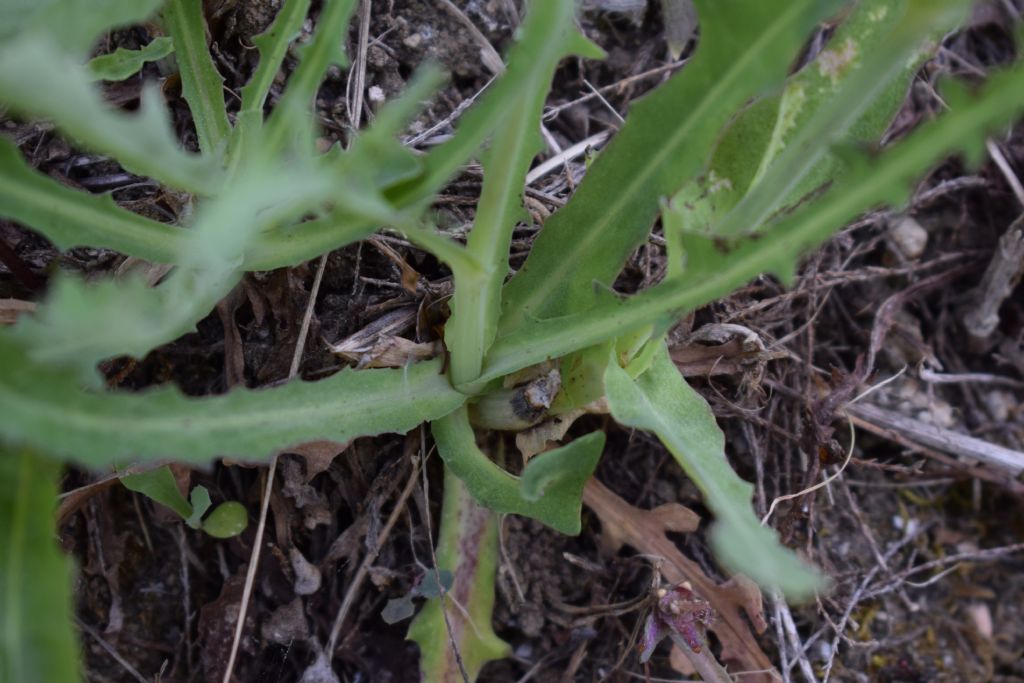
(920, 546)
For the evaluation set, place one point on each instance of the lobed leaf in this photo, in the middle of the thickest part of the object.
(41, 405)
(81, 323)
(714, 270)
(467, 550)
(273, 46)
(123, 63)
(71, 218)
(559, 474)
(74, 25)
(201, 84)
(37, 80)
(661, 401)
(290, 125)
(744, 49)
(37, 644)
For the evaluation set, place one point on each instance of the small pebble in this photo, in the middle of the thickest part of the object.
(909, 237)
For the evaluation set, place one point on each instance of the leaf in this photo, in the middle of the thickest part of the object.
(36, 80)
(43, 406)
(273, 46)
(74, 25)
(467, 546)
(398, 609)
(123, 63)
(37, 644)
(555, 471)
(200, 501)
(201, 84)
(227, 520)
(82, 324)
(351, 219)
(714, 270)
(433, 582)
(480, 120)
(566, 470)
(516, 141)
(744, 49)
(753, 141)
(70, 218)
(847, 78)
(160, 485)
(290, 121)
(661, 401)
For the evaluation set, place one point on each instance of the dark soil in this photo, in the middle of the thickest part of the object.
(922, 546)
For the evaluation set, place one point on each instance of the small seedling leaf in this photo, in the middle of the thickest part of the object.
(160, 486)
(200, 500)
(429, 586)
(227, 520)
(398, 609)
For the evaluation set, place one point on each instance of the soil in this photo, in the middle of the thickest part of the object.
(923, 548)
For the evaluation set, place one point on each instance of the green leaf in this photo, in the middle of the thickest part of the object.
(744, 49)
(714, 269)
(70, 218)
(36, 80)
(200, 501)
(123, 63)
(74, 25)
(162, 487)
(842, 84)
(484, 117)
(661, 401)
(273, 46)
(433, 582)
(37, 644)
(467, 547)
(81, 324)
(560, 474)
(201, 84)
(290, 123)
(42, 405)
(227, 520)
(477, 299)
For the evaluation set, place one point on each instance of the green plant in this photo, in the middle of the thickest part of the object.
(224, 521)
(746, 168)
